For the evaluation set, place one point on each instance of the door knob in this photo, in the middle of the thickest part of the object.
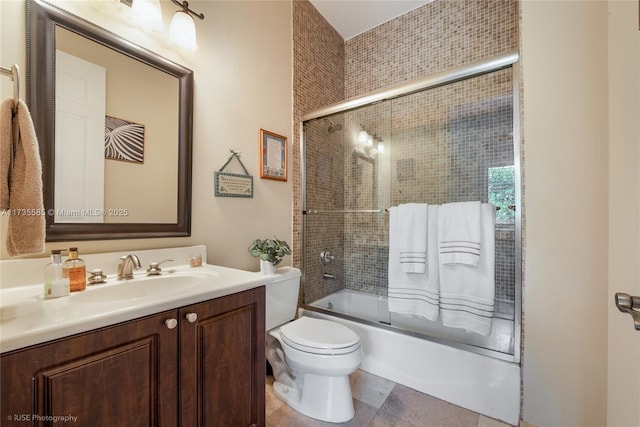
(191, 317)
(629, 304)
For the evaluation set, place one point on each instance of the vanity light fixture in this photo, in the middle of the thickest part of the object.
(148, 14)
(182, 30)
(370, 144)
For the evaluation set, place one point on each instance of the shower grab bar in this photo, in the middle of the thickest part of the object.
(315, 211)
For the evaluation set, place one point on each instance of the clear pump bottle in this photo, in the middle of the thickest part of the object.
(55, 285)
(75, 269)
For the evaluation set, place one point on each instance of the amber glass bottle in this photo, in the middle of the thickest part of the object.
(75, 269)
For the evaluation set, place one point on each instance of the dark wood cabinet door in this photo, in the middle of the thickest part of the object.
(121, 375)
(222, 361)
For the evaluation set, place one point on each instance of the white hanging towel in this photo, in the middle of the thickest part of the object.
(412, 237)
(459, 233)
(414, 294)
(467, 292)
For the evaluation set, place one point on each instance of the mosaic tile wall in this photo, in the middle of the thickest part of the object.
(436, 37)
(325, 183)
(318, 73)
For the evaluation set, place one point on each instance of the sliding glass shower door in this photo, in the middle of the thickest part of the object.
(448, 143)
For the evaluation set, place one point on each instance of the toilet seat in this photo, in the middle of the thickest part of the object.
(319, 336)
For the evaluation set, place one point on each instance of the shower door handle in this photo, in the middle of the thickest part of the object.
(629, 304)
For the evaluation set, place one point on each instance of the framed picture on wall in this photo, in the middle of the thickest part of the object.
(273, 156)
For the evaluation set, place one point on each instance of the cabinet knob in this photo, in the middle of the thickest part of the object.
(171, 323)
(191, 317)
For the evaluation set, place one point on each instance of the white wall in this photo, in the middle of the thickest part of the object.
(623, 390)
(243, 78)
(564, 59)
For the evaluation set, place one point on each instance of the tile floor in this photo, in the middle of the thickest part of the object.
(383, 403)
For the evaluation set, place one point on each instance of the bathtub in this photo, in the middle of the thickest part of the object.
(447, 370)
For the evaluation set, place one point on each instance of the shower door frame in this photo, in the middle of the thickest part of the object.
(476, 69)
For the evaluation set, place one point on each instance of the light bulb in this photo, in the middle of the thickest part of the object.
(370, 141)
(380, 147)
(147, 13)
(363, 137)
(182, 31)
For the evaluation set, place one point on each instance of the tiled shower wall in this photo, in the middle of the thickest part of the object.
(437, 37)
(318, 80)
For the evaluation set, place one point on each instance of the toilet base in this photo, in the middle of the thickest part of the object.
(321, 397)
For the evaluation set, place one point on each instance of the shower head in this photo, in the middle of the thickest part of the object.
(333, 127)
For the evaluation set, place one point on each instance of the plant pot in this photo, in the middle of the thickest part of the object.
(267, 267)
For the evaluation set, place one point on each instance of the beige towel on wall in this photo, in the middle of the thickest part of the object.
(6, 138)
(21, 183)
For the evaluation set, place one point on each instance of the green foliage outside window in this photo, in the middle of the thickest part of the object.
(502, 192)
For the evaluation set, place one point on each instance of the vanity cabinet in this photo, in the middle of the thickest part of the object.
(200, 365)
(120, 375)
(222, 361)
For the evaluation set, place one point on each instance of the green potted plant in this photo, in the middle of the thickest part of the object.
(270, 251)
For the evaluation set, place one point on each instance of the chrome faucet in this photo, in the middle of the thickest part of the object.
(128, 263)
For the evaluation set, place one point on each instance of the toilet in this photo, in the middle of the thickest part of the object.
(311, 358)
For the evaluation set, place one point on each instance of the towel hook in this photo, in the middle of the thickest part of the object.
(14, 75)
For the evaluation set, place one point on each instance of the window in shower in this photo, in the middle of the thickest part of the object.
(502, 193)
(449, 143)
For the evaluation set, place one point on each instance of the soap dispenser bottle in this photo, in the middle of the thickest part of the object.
(75, 269)
(55, 285)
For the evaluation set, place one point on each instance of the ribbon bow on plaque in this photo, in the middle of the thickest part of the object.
(233, 184)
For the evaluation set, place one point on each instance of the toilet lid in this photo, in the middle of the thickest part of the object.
(319, 336)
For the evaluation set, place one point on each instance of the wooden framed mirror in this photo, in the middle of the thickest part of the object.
(129, 98)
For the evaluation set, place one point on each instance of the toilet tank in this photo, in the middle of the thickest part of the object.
(282, 297)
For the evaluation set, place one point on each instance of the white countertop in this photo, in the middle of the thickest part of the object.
(27, 318)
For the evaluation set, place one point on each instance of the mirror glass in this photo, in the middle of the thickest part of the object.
(114, 123)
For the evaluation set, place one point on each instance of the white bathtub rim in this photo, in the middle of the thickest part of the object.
(362, 318)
